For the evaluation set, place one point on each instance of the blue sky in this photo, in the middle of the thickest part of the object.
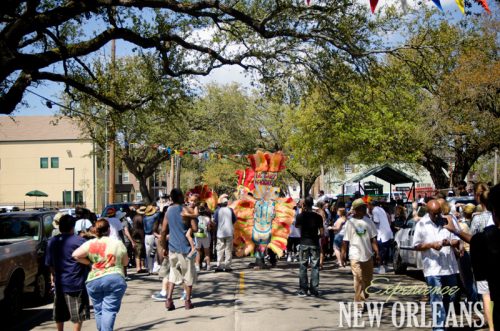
(224, 75)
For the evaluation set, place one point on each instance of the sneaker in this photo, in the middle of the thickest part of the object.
(157, 296)
(301, 294)
(197, 267)
(380, 270)
(208, 267)
(188, 305)
(315, 293)
(183, 296)
(169, 304)
(289, 258)
(127, 279)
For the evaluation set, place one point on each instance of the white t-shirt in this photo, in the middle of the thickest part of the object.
(379, 217)
(359, 233)
(224, 220)
(436, 263)
(82, 224)
(115, 226)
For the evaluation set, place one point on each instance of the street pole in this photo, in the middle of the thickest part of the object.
(495, 174)
(111, 181)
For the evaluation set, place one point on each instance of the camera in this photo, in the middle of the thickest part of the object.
(442, 220)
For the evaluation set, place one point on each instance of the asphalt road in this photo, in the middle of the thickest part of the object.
(248, 299)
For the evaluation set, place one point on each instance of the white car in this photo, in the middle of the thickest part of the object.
(8, 209)
(69, 211)
(404, 254)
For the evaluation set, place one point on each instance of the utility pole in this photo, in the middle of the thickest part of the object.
(495, 174)
(171, 179)
(111, 142)
(322, 181)
(177, 172)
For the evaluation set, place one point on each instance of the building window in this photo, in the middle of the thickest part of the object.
(125, 177)
(347, 168)
(79, 197)
(67, 198)
(54, 162)
(44, 162)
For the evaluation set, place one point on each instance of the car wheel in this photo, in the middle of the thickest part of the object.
(42, 287)
(397, 262)
(13, 302)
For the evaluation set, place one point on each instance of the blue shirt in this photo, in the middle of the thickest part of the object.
(178, 242)
(149, 222)
(70, 275)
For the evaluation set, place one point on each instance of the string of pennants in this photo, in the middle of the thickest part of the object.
(404, 4)
(207, 154)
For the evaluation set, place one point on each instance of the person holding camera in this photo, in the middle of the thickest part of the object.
(435, 243)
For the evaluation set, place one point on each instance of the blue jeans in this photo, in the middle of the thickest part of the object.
(305, 252)
(468, 278)
(440, 302)
(106, 294)
(385, 251)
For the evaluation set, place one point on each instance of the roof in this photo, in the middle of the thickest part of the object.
(387, 173)
(38, 128)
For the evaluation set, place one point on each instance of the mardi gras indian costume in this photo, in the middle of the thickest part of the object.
(263, 219)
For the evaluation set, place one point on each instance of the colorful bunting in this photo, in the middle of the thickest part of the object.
(484, 4)
(438, 4)
(373, 5)
(308, 2)
(461, 5)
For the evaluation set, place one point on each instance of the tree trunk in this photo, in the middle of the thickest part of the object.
(143, 186)
(435, 166)
(308, 184)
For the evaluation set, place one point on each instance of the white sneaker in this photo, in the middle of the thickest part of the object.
(197, 267)
(289, 258)
(381, 270)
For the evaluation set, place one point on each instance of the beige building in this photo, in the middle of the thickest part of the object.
(44, 153)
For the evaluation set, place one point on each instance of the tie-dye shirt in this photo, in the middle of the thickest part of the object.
(106, 255)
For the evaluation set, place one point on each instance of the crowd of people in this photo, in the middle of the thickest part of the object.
(178, 237)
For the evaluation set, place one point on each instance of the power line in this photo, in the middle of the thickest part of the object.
(49, 103)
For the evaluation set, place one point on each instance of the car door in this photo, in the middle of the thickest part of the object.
(412, 253)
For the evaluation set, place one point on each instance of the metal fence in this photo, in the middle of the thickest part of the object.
(26, 205)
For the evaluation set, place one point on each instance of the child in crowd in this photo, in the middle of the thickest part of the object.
(189, 212)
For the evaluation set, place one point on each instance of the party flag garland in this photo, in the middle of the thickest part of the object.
(460, 4)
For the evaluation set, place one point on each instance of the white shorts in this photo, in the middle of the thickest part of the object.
(202, 242)
(482, 287)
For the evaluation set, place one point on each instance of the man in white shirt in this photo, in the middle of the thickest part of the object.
(384, 233)
(224, 219)
(361, 234)
(440, 265)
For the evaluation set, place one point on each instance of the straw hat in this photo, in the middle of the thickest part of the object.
(141, 210)
(150, 210)
(57, 217)
(358, 203)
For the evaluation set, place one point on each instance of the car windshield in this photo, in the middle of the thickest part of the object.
(19, 226)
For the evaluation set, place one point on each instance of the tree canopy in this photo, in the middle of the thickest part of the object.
(54, 40)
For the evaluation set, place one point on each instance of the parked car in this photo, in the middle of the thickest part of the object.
(8, 209)
(463, 200)
(23, 242)
(404, 254)
(122, 206)
(69, 211)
